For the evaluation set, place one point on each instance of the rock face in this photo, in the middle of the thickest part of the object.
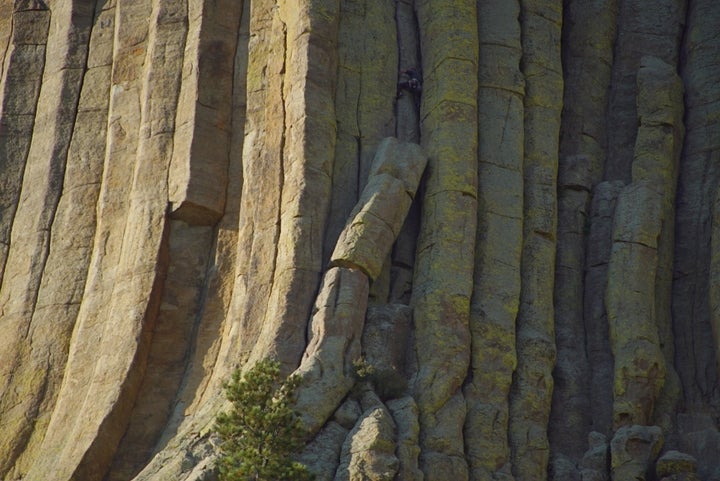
(507, 272)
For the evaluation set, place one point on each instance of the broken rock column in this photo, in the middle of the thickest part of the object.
(339, 314)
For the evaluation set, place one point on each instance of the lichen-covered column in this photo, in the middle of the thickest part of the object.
(442, 284)
(656, 159)
(531, 394)
(635, 289)
(496, 287)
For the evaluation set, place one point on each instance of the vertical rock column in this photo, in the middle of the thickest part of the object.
(656, 160)
(588, 37)
(339, 315)
(643, 208)
(287, 176)
(23, 64)
(307, 165)
(95, 411)
(407, 128)
(599, 352)
(442, 284)
(644, 27)
(364, 97)
(496, 287)
(73, 227)
(197, 182)
(531, 394)
(262, 183)
(198, 172)
(697, 355)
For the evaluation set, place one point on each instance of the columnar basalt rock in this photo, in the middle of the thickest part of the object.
(531, 393)
(187, 187)
(375, 222)
(38, 312)
(442, 282)
(496, 281)
(697, 188)
(589, 28)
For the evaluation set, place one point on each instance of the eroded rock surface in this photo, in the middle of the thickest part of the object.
(484, 277)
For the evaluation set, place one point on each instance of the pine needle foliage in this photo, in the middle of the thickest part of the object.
(261, 432)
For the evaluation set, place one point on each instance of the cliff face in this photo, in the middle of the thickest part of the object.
(525, 247)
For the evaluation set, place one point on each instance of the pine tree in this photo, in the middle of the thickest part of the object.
(261, 432)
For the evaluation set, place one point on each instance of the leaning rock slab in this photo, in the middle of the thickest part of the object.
(377, 218)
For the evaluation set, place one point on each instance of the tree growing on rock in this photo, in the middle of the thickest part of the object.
(261, 432)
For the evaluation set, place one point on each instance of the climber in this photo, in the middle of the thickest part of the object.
(413, 84)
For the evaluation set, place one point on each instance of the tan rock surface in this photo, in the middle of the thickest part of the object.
(177, 185)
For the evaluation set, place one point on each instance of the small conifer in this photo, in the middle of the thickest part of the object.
(261, 432)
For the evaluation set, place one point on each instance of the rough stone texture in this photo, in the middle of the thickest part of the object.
(38, 311)
(589, 28)
(333, 345)
(644, 27)
(496, 285)
(175, 176)
(599, 352)
(675, 462)
(639, 366)
(694, 305)
(405, 414)
(369, 449)
(633, 450)
(594, 463)
(385, 347)
(531, 392)
(442, 282)
(375, 222)
(700, 438)
(198, 171)
(323, 452)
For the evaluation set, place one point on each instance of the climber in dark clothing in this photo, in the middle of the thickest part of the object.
(413, 84)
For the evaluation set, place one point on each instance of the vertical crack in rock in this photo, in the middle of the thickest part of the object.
(262, 182)
(336, 327)
(407, 128)
(443, 279)
(581, 396)
(644, 27)
(19, 95)
(29, 342)
(638, 290)
(307, 158)
(696, 355)
(496, 286)
(599, 352)
(531, 394)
